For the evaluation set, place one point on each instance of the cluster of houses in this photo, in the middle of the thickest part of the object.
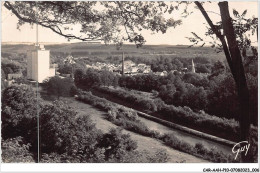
(130, 68)
(11, 78)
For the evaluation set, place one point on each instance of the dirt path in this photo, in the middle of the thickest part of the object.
(144, 143)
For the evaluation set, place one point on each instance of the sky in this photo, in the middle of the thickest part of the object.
(174, 36)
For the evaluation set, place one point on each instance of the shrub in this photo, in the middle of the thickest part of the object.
(253, 141)
(14, 150)
(116, 144)
(64, 132)
(60, 87)
(19, 112)
(198, 150)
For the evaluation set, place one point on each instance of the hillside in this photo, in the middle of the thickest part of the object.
(101, 50)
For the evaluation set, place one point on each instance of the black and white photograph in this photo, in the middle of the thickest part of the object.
(130, 82)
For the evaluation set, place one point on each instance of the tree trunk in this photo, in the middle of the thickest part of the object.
(238, 72)
(235, 63)
(218, 34)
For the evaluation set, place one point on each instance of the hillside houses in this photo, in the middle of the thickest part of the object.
(69, 59)
(164, 73)
(130, 68)
(12, 77)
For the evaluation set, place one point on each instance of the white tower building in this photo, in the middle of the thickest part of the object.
(38, 64)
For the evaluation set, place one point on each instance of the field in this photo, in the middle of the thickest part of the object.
(103, 51)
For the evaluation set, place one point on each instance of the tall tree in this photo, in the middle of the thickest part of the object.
(59, 87)
(235, 62)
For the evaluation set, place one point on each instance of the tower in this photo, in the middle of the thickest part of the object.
(192, 67)
(38, 64)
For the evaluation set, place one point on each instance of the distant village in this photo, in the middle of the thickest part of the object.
(39, 67)
(130, 68)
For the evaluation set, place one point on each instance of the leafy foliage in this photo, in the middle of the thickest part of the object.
(244, 28)
(92, 78)
(65, 69)
(9, 68)
(63, 132)
(111, 22)
(198, 150)
(60, 86)
(15, 151)
(65, 136)
(18, 111)
(116, 145)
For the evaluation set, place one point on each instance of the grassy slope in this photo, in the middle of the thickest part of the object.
(142, 141)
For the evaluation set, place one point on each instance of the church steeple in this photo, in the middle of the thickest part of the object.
(193, 67)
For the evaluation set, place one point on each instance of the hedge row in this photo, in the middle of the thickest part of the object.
(176, 114)
(128, 119)
(117, 114)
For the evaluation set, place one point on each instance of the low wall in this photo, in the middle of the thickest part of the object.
(187, 130)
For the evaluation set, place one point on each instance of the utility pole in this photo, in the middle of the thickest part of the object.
(123, 61)
(37, 95)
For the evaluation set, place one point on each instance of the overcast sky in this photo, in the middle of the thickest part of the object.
(193, 23)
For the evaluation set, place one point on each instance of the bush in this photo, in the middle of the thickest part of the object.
(19, 112)
(253, 141)
(14, 150)
(198, 150)
(116, 144)
(134, 99)
(64, 132)
(60, 86)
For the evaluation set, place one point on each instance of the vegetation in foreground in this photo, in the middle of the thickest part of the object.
(65, 137)
(128, 119)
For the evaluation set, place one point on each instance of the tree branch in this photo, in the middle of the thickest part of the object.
(32, 21)
(218, 34)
